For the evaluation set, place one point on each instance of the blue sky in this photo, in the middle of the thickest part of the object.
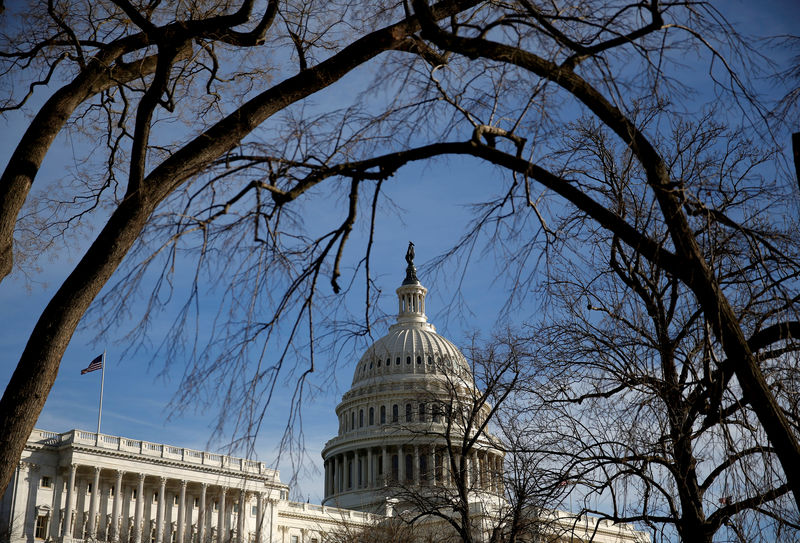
(432, 199)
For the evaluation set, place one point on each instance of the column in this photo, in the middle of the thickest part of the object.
(241, 516)
(67, 533)
(415, 465)
(93, 503)
(370, 469)
(432, 466)
(259, 517)
(162, 498)
(201, 515)
(137, 526)
(181, 513)
(401, 465)
(221, 536)
(386, 464)
(116, 507)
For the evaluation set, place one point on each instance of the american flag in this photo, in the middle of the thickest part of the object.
(94, 365)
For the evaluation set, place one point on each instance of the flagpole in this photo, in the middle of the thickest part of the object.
(102, 381)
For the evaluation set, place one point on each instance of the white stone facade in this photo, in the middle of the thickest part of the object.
(80, 486)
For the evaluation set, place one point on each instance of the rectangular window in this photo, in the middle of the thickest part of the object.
(111, 490)
(196, 503)
(175, 499)
(295, 539)
(133, 493)
(235, 507)
(88, 488)
(40, 530)
(155, 497)
(215, 507)
(46, 482)
(383, 414)
(254, 511)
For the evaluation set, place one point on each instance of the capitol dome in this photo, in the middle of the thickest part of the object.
(393, 426)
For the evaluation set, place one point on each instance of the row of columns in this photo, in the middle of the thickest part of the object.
(94, 502)
(372, 468)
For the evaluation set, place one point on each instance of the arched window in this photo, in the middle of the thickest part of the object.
(360, 418)
(419, 360)
(397, 361)
(395, 413)
(383, 414)
(422, 412)
(371, 416)
(408, 360)
(435, 412)
(353, 420)
(409, 416)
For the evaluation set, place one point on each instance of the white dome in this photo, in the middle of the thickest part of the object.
(392, 421)
(408, 348)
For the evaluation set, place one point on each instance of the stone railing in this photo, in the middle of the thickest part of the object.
(146, 448)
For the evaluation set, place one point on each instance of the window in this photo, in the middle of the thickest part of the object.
(409, 467)
(371, 416)
(349, 474)
(215, 506)
(397, 361)
(235, 507)
(133, 493)
(379, 363)
(40, 530)
(254, 511)
(388, 362)
(175, 499)
(422, 412)
(383, 414)
(360, 473)
(409, 416)
(408, 360)
(435, 412)
(46, 482)
(196, 503)
(395, 413)
(419, 360)
(360, 418)
(314, 540)
(353, 420)
(395, 467)
(155, 497)
(295, 539)
(380, 465)
(111, 491)
(88, 488)
(370, 364)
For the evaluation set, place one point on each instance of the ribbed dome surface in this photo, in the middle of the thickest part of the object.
(408, 348)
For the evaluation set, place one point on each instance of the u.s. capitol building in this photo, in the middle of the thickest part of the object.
(393, 440)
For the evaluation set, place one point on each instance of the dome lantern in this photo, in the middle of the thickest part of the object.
(411, 294)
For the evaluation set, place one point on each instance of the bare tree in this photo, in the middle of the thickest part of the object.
(644, 414)
(462, 486)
